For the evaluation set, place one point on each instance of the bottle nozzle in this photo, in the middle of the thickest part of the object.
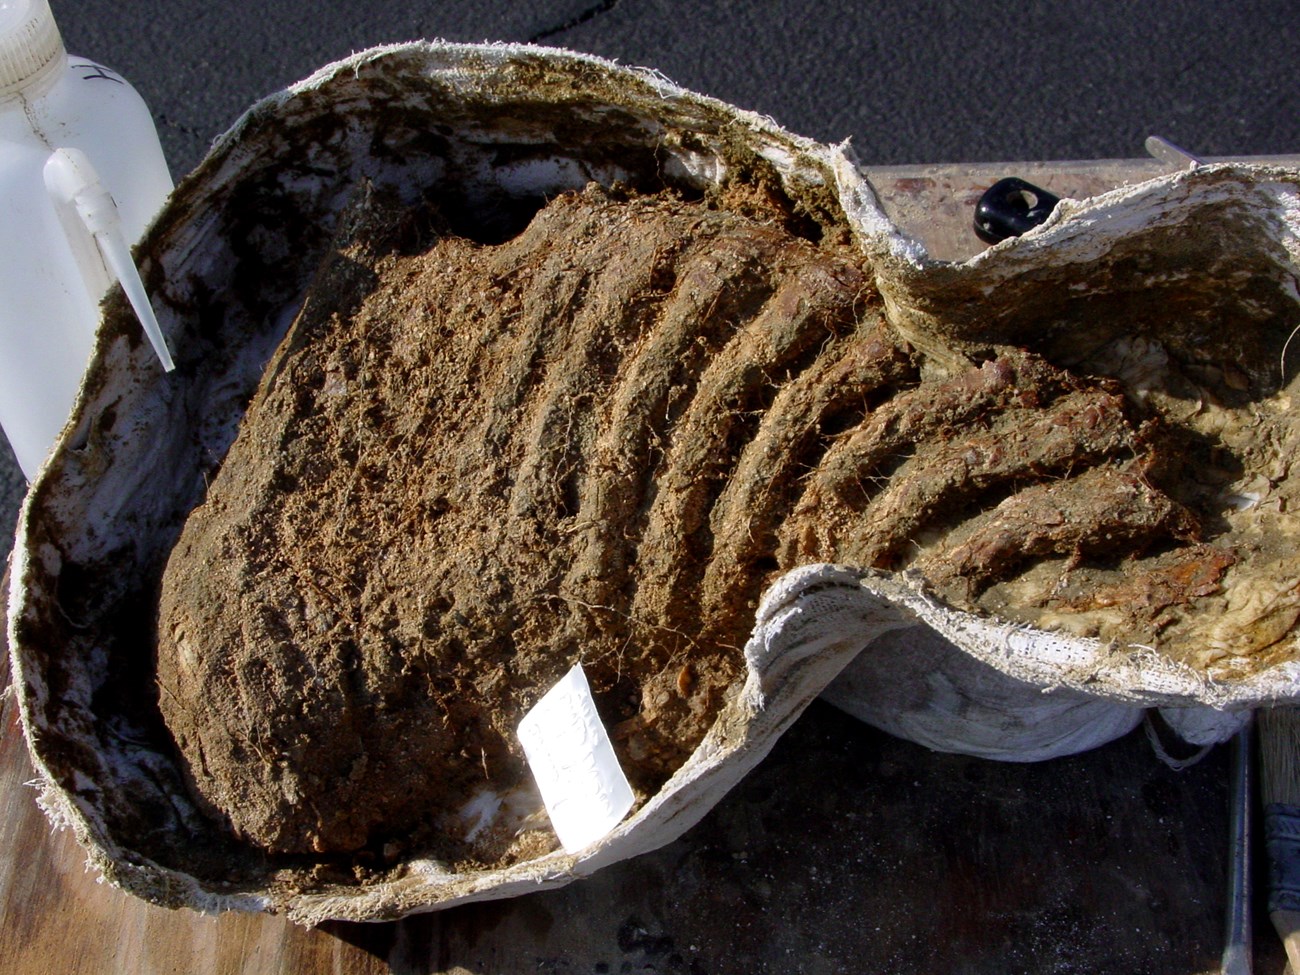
(72, 181)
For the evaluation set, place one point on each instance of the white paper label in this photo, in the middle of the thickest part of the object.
(583, 786)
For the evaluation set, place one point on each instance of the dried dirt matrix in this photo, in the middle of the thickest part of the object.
(471, 466)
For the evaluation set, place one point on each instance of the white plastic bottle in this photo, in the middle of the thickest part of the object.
(55, 220)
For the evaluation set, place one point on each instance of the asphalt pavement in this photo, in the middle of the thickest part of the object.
(907, 81)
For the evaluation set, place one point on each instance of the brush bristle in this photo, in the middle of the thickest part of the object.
(1287, 924)
(1279, 755)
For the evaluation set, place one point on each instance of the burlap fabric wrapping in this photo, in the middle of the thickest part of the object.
(1020, 499)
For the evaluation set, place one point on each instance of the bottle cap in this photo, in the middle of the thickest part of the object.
(30, 45)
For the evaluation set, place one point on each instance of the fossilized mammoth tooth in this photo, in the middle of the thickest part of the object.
(448, 419)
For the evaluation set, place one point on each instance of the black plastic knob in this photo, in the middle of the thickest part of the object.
(1010, 207)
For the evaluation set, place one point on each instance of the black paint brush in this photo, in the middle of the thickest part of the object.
(1279, 752)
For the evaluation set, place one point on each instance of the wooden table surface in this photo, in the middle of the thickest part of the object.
(845, 851)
